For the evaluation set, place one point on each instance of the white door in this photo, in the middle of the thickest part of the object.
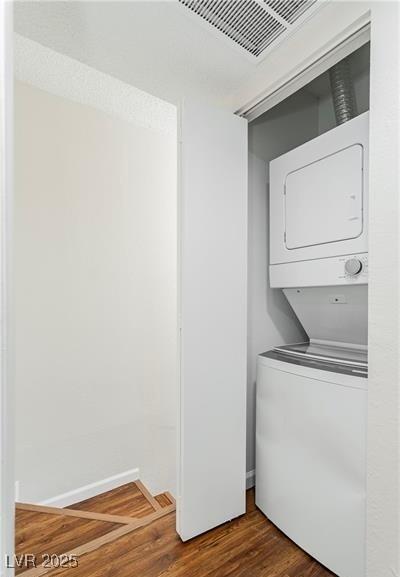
(213, 302)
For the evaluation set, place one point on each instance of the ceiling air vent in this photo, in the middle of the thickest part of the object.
(252, 25)
(290, 11)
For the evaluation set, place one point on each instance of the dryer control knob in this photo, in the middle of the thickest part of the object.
(353, 266)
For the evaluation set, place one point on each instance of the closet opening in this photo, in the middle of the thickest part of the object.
(308, 313)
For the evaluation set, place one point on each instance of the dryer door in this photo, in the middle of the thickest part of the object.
(324, 200)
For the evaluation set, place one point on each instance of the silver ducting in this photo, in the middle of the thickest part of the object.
(342, 92)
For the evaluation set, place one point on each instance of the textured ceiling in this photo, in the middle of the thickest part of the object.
(155, 46)
(58, 74)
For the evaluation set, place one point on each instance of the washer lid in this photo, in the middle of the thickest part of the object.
(304, 363)
(349, 356)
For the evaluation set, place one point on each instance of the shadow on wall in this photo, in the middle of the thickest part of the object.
(271, 320)
(277, 306)
(286, 126)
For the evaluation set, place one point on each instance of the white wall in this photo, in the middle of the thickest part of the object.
(271, 320)
(95, 297)
(383, 534)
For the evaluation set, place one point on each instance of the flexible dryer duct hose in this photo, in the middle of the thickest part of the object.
(342, 91)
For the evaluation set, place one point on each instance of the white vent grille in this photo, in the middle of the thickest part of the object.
(290, 10)
(254, 25)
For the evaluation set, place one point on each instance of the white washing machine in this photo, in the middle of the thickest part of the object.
(311, 428)
(311, 450)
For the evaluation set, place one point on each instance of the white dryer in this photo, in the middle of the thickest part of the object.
(311, 450)
(319, 207)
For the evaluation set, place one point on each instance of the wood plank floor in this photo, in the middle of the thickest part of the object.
(40, 533)
(163, 500)
(246, 547)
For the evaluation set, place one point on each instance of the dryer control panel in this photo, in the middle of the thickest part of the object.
(353, 266)
(338, 270)
(356, 265)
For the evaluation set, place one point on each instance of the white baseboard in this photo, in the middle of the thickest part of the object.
(250, 479)
(92, 489)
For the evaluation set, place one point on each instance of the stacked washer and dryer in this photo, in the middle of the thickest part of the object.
(312, 396)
